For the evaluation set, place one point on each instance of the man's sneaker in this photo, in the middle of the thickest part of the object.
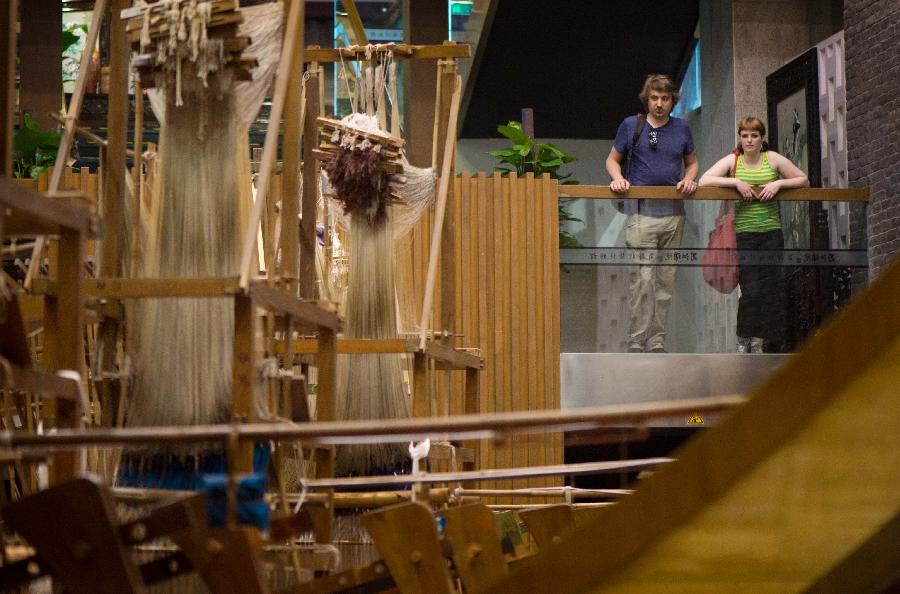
(756, 346)
(743, 345)
(657, 349)
(635, 348)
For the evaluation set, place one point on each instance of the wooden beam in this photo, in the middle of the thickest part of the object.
(356, 24)
(453, 358)
(306, 346)
(29, 212)
(446, 355)
(115, 188)
(709, 193)
(64, 341)
(448, 97)
(401, 51)
(91, 137)
(443, 192)
(309, 201)
(139, 288)
(39, 382)
(421, 393)
(320, 314)
(243, 370)
(137, 178)
(8, 24)
(290, 176)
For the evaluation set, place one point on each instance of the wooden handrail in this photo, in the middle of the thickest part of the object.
(710, 193)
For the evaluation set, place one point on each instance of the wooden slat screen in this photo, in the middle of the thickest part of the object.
(507, 305)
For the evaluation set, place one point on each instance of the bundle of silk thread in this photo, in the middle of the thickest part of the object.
(182, 347)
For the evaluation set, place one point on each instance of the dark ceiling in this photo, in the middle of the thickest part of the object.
(579, 65)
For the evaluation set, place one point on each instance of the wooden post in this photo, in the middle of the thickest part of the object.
(63, 344)
(326, 368)
(472, 407)
(421, 405)
(323, 518)
(137, 176)
(242, 377)
(8, 92)
(293, 128)
(443, 190)
(528, 122)
(114, 187)
(447, 75)
(359, 31)
(307, 276)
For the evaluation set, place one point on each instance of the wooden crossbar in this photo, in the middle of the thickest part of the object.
(88, 135)
(138, 288)
(402, 51)
(709, 193)
(29, 212)
(454, 358)
(322, 314)
(41, 382)
(317, 313)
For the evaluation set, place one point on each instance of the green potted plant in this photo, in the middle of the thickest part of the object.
(526, 155)
(34, 150)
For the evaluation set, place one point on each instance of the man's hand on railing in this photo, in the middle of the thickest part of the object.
(620, 186)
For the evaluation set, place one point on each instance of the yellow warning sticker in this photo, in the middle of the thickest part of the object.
(695, 419)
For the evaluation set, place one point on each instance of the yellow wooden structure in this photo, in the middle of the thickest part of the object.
(779, 497)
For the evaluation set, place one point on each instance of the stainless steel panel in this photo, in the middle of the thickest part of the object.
(597, 379)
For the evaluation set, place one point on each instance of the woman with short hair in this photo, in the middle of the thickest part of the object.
(757, 174)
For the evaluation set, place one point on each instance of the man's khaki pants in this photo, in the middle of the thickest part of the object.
(652, 288)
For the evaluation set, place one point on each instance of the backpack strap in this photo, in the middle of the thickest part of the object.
(638, 128)
(726, 207)
(737, 154)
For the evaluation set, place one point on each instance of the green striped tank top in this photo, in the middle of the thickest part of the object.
(756, 217)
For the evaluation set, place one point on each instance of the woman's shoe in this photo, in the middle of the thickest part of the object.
(743, 345)
(756, 345)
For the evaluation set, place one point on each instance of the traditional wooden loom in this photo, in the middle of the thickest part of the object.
(411, 545)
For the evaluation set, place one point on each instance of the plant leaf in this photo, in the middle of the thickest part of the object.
(514, 133)
(567, 240)
(523, 148)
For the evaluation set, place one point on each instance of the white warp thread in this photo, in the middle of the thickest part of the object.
(183, 347)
